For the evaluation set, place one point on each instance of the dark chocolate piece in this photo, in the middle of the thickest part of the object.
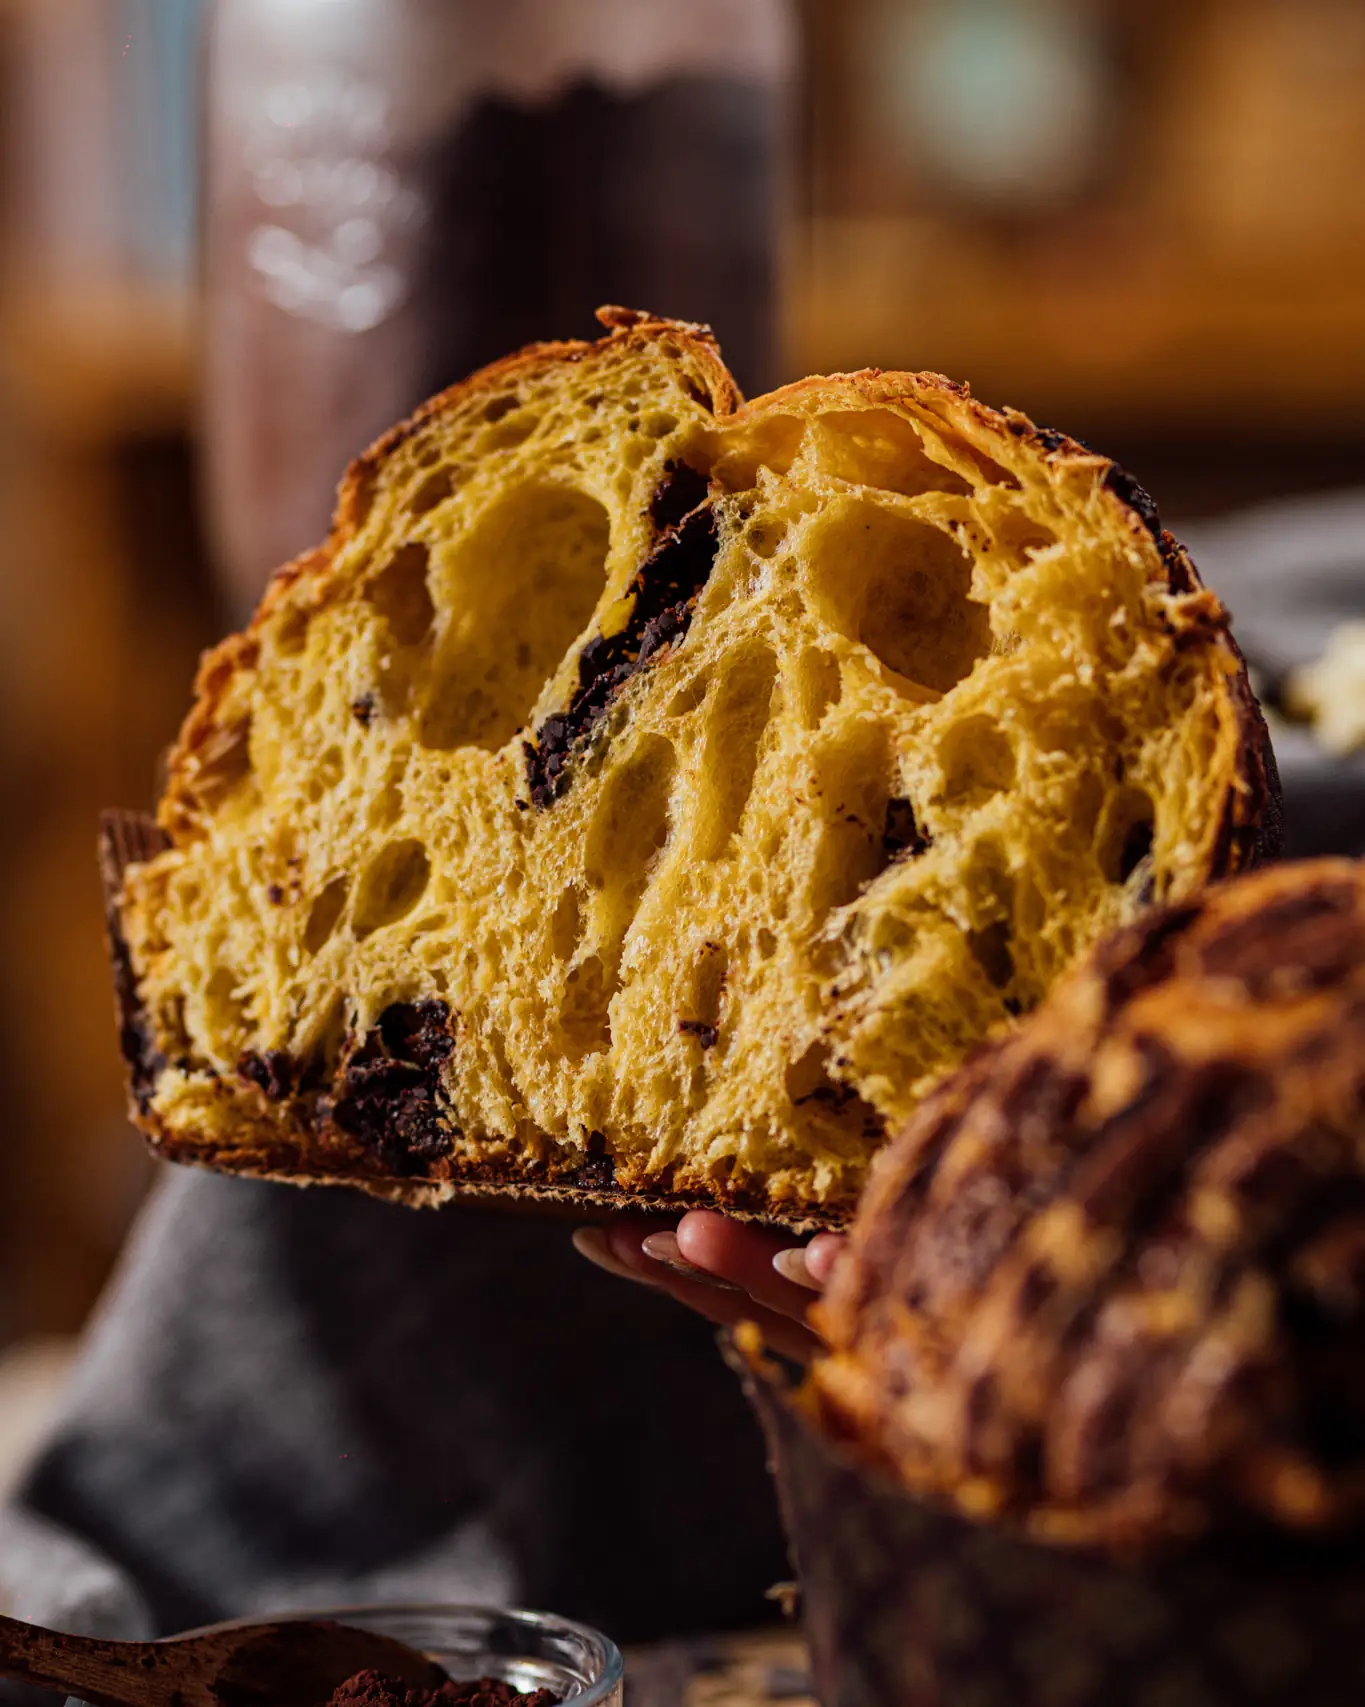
(272, 1073)
(666, 589)
(682, 489)
(391, 1099)
(598, 1172)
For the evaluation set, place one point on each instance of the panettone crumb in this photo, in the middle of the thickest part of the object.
(650, 794)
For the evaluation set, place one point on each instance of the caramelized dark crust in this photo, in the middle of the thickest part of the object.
(1110, 1280)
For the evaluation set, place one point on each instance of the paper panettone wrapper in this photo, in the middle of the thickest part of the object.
(909, 1605)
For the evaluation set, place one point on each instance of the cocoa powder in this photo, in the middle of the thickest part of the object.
(370, 1689)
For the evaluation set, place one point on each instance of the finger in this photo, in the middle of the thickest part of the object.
(728, 1309)
(791, 1265)
(822, 1256)
(663, 1248)
(592, 1243)
(743, 1255)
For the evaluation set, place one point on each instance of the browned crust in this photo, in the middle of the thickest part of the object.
(297, 1164)
(291, 1146)
(128, 838)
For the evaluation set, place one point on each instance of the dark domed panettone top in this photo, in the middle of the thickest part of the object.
(1110, 1280)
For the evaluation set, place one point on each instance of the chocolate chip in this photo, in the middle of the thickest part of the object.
(677, 495)
(274, 894)
(272, 1073)
(666, 589)
(598, 1172)
(391, 1099)
(418, 1032)
(362, 710)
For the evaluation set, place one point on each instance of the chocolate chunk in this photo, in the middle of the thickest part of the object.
(598, 1172)
(390, 1096)
(705, 1034)
(418, 1032)
(272, 1073)
(1138, 499)
(666, 589)
(901, 833)
(682, 489)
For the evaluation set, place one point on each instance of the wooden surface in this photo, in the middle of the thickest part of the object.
(749, 1670)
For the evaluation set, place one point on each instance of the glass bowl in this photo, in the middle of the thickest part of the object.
(529, 1650)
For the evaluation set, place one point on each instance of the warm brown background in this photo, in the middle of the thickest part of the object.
(1192, 302)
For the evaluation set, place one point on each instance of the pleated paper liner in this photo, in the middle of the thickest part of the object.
(906, 1605)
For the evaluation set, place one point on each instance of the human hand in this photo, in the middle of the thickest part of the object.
(727, 1271)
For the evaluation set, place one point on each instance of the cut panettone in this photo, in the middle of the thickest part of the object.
(1109, 1282)
(644, 797)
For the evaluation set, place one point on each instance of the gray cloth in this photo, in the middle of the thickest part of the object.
(296, 1399)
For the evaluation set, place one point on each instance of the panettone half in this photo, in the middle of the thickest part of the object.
(642, 797)
(1109, 1282)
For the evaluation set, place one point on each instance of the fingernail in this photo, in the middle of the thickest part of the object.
(791, 1265)
(592, 1243)
(663, 1249)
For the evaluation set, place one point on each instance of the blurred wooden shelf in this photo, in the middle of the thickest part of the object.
(1139, 334)
(99, 360)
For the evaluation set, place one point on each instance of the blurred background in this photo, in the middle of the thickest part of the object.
(226, 263)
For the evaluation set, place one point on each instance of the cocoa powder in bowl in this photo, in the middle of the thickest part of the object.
(370, 1689)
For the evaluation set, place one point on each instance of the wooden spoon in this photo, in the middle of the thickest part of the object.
(289, 1664)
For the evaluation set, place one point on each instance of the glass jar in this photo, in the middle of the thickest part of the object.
(397, 191)
(529, 1650)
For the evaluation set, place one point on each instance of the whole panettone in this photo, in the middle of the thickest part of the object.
(1108, 1285)
(643, 797)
